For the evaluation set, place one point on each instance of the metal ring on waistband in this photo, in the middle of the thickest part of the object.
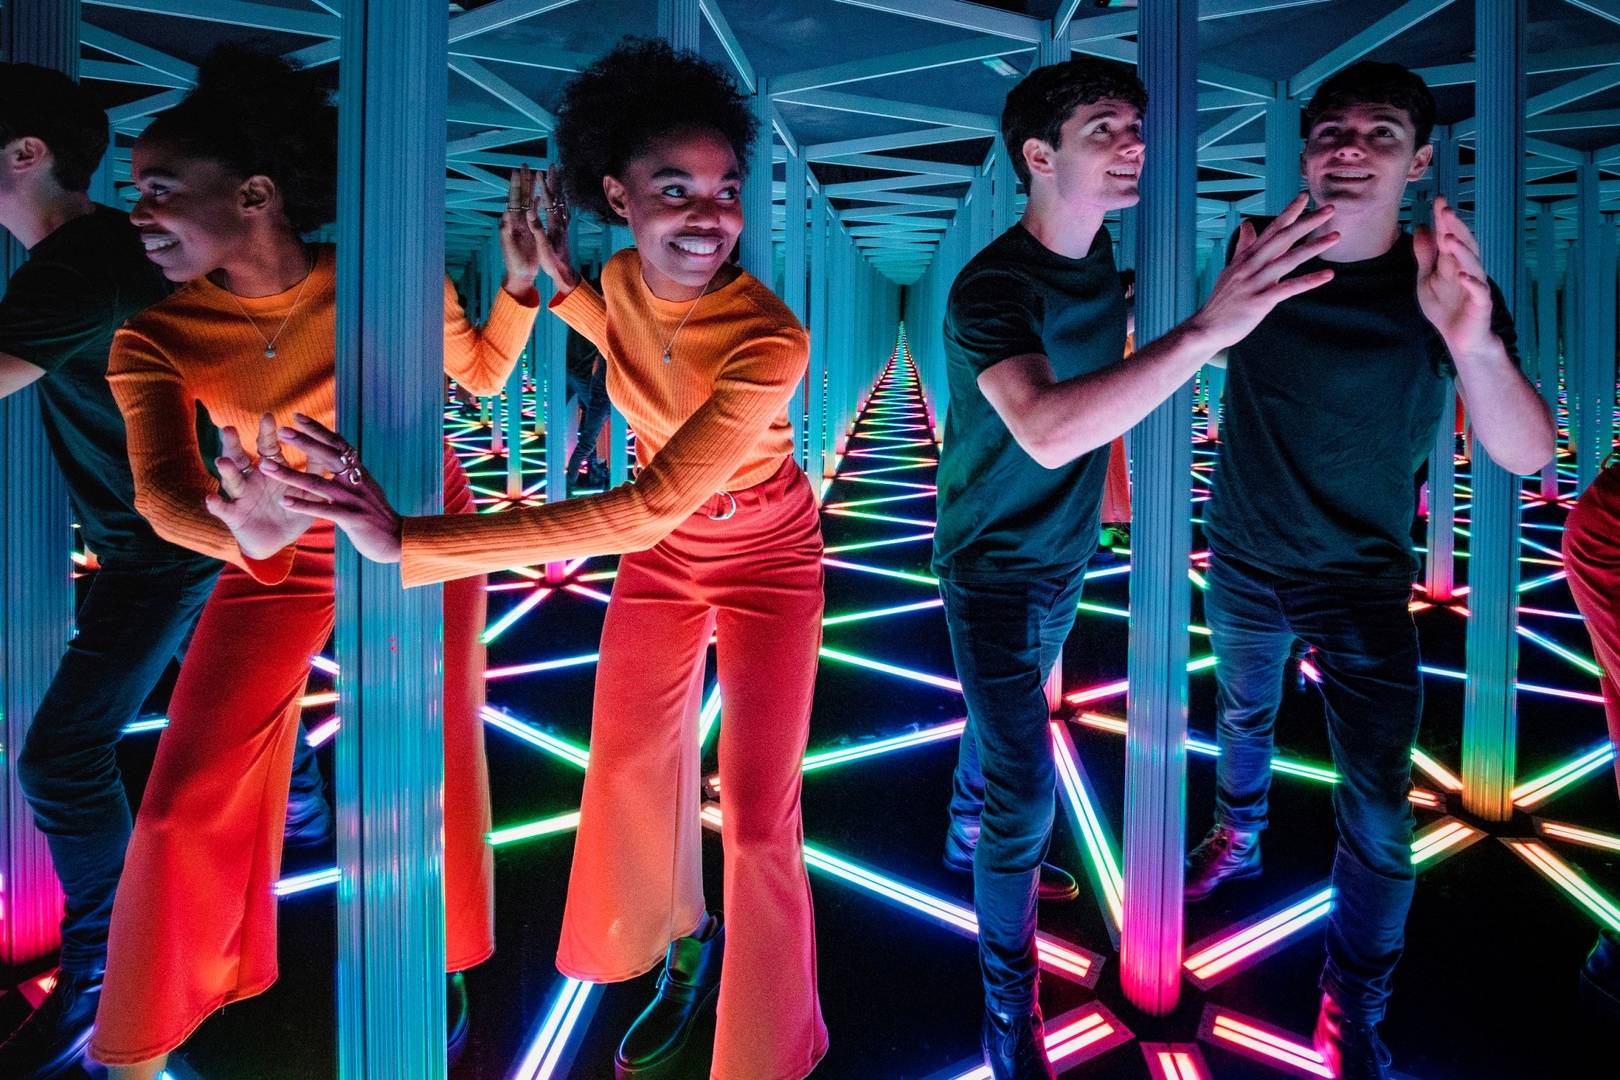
(730, 513)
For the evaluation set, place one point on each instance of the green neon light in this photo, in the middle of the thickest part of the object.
(861, 616)
(883, 571)
(709, 717)
(549, 826)
(863, 545)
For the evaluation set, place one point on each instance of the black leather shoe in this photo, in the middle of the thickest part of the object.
(1352, 1050)
(1223, 855)
(50, 1042)
(1600, 975)
(1056, 884)
(686, 991)
(457, 1015)
(1015, 1046)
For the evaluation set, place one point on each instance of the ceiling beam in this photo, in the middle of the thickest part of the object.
(961, 15)
(908, 165)
(1603, 9)
(233, 12)
(867, 105)
(903, 63)
(716, 19)
(491, 83)
(897, 141)
(1390, 26)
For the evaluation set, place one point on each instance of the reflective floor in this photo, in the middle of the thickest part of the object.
(1503, 915)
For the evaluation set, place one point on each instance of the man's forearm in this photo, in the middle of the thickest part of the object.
(1512, 422)
(1080, 414)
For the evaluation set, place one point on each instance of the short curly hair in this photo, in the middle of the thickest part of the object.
(51, 107)
(258, 115)
(1037, 107)
(629, 98)
(1370, 82)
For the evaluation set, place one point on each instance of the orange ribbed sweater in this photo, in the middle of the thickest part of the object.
(713, 419)
(197, 347)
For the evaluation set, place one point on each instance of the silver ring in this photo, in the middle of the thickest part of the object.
(349, 458)
(351, 476)
(247, 470)
(731, 511)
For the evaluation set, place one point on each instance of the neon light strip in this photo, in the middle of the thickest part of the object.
(858, 616)
(1228, 952)
(577, 756)
(1528, 688)
(1576, 835)
(863, 545)
(543, 665)
(1558, 650)
(317, 736)
(1251, 1038)
(1444, 835)
(878, 500)
(903, 575)
(1436, 771)
(499, 626)
(151, 723)
(1099, 848)
(1067, 960)
(541, 1060)
(708, 716)
(586, 590)
(824, 759)
(315, 879)
(1114, 689)
(1569, 880)
(551, 826)
(1540, 789)
(892, 669)
(1174, 1062)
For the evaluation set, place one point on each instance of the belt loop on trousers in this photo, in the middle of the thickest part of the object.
(730, 511)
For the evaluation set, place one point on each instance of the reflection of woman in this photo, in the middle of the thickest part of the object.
(229, 181)
(722, 537)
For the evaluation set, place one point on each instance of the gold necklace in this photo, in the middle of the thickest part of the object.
(270, 342)
(671, 342)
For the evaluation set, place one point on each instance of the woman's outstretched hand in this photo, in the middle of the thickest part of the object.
(522, 234)
(554, 257)
(248, 501)
(351, 499)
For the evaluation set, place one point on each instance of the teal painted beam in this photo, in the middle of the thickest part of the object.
(390, 750)
(1490, 708)
(1155, 755)
(1439, 564)
(1384, 29)
(1547, 326)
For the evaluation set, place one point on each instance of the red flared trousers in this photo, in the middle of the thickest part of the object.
(1592, 557)
(754, 581)
(194, 924)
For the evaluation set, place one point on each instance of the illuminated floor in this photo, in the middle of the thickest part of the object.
(1502, 919)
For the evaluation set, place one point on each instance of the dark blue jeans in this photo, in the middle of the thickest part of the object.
(593, 401)
(136, 617)
(1005, 637)
(1367, 651)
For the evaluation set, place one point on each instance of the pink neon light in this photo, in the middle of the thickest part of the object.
(586, 590)
(1097, 693)
(1271, 1045)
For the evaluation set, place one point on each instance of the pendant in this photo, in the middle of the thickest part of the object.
(269, 352)
(666, 356)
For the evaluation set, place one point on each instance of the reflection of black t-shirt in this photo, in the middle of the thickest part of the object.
(1001, 514)
(59, 312)
(1331, 406)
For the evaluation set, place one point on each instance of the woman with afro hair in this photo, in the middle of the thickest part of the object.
(231, 180)
(719, 536)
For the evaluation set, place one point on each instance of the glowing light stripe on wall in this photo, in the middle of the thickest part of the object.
(1528, 688)
(315, 879)
(1569, 880)
(543, 665)
(544, 1056)
(824, 759)
(1071, 962)
(550, 826)
(863, 545)
(575, 755)
(892, 669)
(883, 571)
(901, 609)
(518, 610)
(1261, 1042)
(1436, 771)
(708, 716)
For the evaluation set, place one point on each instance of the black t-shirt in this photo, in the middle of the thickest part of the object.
(59, 312)
(1001, 514)
(1331, 406)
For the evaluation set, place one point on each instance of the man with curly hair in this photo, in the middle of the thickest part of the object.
(1034, 338)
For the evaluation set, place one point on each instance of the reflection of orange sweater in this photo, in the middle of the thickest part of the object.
(197, 347)
(713, 419)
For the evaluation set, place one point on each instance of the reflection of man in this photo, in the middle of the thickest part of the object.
(587, 390)
(1034, 339)
(1331, 405)
(86, 273)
